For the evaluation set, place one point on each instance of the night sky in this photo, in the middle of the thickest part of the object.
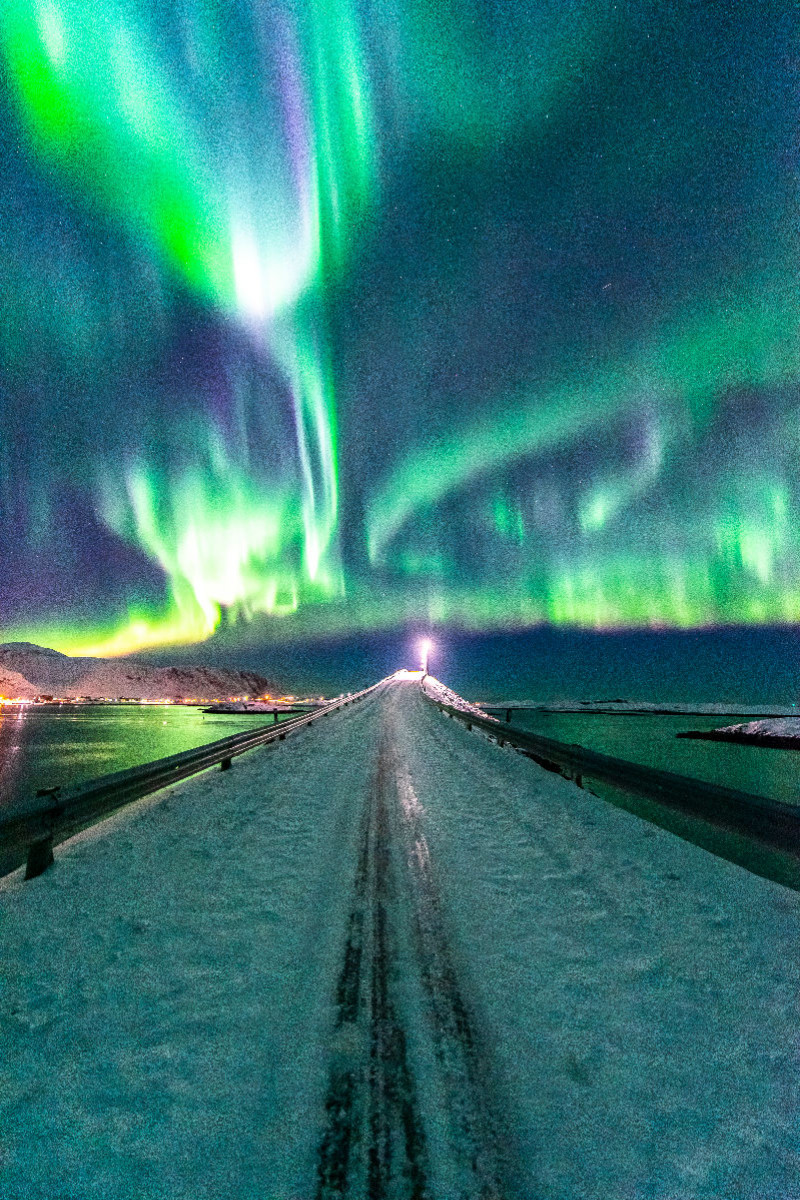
(325, 318)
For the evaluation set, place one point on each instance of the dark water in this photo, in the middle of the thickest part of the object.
(45, 746)
(651, 740)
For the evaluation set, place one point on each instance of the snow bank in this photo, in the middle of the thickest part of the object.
(441, 693)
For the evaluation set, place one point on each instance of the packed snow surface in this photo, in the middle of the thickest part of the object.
(388, 923)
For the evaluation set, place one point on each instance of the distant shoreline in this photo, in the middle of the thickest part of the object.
(623, 709)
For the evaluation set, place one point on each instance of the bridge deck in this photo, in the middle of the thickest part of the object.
(386, 957)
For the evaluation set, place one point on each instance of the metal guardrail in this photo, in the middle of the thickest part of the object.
(770, 821)
(29, 837)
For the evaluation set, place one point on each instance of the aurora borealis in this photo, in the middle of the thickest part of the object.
(334, 315)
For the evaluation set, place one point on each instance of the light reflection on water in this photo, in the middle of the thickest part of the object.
(45, 746)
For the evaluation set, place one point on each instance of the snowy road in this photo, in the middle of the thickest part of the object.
(397, 970)
(388, 958)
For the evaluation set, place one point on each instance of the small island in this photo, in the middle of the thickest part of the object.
(776, 733)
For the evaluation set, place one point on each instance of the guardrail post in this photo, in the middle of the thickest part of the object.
(225, 765)
(508, 716)
(40, 856)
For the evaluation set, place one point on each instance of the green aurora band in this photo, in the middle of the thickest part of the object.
(333, 315)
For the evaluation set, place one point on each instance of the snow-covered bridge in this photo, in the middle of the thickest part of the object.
(386, 957)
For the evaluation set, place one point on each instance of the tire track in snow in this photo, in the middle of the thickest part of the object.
(374, 1142)
(476, 1142)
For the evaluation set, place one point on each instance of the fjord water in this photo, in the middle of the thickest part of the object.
(650, 739)
(44, 746)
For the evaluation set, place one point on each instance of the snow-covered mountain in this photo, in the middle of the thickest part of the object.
(14, 686)
(46, 670)
(37, 670)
